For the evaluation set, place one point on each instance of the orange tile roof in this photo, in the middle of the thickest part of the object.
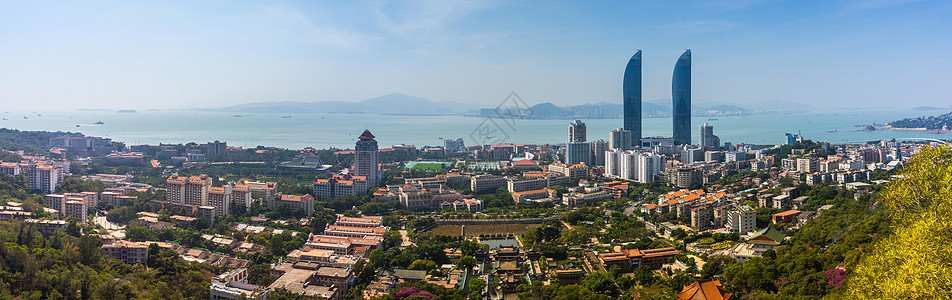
(296, 198)
(786, 213)
(376, 230)
(524, 162)
(546, 190)
(706, 290)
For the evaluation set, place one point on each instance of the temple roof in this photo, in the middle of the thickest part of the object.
(367, 134)
(704, 290)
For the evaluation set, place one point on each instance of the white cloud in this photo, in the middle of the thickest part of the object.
(324, 34)
(424, 16)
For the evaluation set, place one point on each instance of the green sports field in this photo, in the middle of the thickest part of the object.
(427, 166)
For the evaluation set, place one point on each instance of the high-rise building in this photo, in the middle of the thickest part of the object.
(598, 150)
(692, 154)
(633, 165)
(454, 145)
(365, 158)
(741, 219)
(41, 176)
(216, 148)
(577, 132)
(578, 152)
(221, 199)
(649, 166)
(75, 208)
(681, 98)
(620, 139)
(188, 190)
(631, 93)
(613, 162)
(196, 190)
(707, 137)
(809, 165)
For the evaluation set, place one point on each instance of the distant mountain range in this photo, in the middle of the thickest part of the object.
(387, 104)
(401, 104)
(650, 109)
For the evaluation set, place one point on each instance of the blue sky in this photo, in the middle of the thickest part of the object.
(168, 54)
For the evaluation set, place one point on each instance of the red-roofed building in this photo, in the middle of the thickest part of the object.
(785, 217)
(261, 190)
(618, 189)
(630, 259)
(575, 172)
(305, 202)
(187, 190)
(357, 222)
(525, 164)
(341, 185)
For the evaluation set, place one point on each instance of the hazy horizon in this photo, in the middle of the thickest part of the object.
(172, 55)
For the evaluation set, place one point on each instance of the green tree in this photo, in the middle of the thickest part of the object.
(543, 264)
(913, 261)
(379, 258)
(466, 262)
(392, 239)
(600, 282)
(138, 233)
(422, 264)
(72, 228)
(476, 285)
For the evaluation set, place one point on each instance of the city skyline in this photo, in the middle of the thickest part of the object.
(144, 55)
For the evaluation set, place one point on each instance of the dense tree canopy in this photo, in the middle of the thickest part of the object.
(914, 261)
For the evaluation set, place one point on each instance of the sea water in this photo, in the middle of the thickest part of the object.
(320, 130)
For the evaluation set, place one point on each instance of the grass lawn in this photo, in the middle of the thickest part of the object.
(428, 166)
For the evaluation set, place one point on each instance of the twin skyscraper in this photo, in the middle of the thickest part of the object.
(680, 97)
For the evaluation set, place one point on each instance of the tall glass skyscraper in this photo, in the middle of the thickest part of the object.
(681, 98)
(631, 93)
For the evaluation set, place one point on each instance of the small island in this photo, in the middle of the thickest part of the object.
(127, 111)
(938, 124)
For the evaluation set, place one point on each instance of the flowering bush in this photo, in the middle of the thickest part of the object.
(781, 282)
(835, 277)
(408, 292)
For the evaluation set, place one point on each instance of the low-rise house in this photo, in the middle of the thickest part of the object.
(630, 259)
(785, 217)
(128, 252)
(470, 205)
(236, 290)
(576, 199)
(541, 195)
